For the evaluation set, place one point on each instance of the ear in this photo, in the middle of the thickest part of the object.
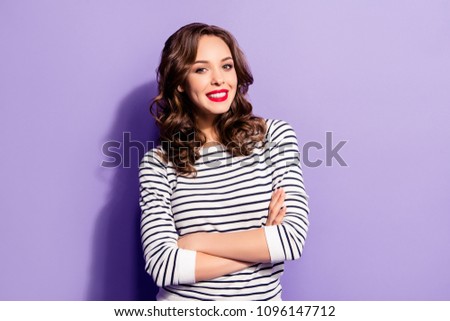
(180, 89)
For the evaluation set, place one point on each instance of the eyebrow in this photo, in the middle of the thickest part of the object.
(206, 61)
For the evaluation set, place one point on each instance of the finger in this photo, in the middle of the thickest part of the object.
(274, 197)
(275, 204)
(277, 217)
(278, 203)
(281, 214)
(276, 194)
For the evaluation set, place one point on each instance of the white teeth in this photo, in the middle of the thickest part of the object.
(218, 95)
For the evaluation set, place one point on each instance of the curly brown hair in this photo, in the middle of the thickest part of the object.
(238, 129)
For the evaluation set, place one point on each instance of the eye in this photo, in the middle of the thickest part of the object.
(200, 70)
(228, 66)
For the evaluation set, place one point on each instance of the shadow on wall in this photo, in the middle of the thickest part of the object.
(117, 271)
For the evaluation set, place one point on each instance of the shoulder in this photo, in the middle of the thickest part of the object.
(278, 130)
(153, 159)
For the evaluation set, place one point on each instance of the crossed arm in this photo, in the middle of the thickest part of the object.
(219, 254)
(172, 260)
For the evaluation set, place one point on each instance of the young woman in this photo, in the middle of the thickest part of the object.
(222, 197)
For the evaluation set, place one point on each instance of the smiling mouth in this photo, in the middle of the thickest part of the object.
(218, 96)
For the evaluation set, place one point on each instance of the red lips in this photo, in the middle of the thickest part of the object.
(218, 95)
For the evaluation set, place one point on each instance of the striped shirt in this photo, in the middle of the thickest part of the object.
(229, 194)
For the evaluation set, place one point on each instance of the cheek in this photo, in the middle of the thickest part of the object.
(200, 86)
(193, 90)
(233, 75)
(235, 80)
(193, 83)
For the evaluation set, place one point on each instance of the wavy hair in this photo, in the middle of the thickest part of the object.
(238, 129)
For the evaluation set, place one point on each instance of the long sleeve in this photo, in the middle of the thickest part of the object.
(164, 261)
(286, 241)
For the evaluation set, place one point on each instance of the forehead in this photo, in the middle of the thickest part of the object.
(212, 47)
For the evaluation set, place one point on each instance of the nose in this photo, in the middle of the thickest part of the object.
(217, 78)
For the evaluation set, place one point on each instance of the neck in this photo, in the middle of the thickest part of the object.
(210, 134)
(207, 128)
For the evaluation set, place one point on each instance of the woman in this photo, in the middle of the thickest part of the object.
(222, 198)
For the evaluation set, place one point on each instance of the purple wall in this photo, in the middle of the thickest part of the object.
(375, 74)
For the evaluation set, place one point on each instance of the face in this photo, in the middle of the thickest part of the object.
(212, 81)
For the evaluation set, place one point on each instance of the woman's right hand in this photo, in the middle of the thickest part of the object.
(277, 208)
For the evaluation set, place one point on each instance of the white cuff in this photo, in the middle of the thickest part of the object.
(274, 244)
(185, 266)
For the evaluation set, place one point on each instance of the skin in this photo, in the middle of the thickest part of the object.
(219, 254)
(213, 70)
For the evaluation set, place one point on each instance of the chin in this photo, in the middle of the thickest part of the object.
(223, 111)
(219, 111)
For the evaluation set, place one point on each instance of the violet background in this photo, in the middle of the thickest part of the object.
(76, 74)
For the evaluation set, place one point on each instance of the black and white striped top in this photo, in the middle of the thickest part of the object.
(228, 194)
